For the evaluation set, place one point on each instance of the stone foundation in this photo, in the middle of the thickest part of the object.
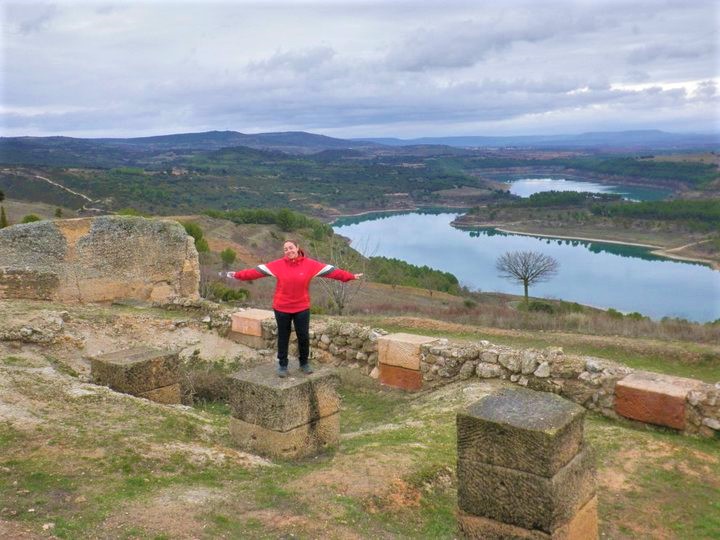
(523, 470)
(289, 418)
(140, 371)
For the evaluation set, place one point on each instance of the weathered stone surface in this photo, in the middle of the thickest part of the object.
(397, 377)
(525, 499)
(583, 526)
(402, 350)
(168, 395)
(482, 528)
(255, 342)
(258, 396)
(521, 429)
(98, 259)
(302, 441)
(654, 398)
(137, 370)
(489, 371)
(249, 322)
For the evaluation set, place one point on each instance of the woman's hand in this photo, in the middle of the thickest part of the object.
(229, 275)
(358, 276)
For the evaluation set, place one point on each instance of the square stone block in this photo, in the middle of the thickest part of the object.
(258, 396)
(654, 398)
(249, 322)
(256, 342)
(137, 370)
(535, 432)
(401, 350)
(169, 395)
(397, 377)
(524, 499)
(583, 526)
(303, 441)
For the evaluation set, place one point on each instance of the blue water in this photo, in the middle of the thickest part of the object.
(524, 187)
(604, 275)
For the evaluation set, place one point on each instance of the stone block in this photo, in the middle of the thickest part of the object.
(524, 499)
(302, 441)
(482, 528)
(654, 398)
(258, 396)
(402, 350)
(521, 429)
(169, 395)
(249, 322)
(255, 342)
(583, 526)
(397, 377)
(137, 370)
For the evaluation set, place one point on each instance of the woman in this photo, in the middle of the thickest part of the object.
(291, 302)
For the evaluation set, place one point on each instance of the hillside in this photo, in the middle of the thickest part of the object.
(318, 175)
(79, 460)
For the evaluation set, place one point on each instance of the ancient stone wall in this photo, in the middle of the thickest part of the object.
(587, 381)
(98, 259)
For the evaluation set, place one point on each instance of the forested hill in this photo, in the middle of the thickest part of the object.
(315, 174)
(52, 150)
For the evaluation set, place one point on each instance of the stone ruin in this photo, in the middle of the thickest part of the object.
(98, 259)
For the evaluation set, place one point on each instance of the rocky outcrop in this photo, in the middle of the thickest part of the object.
(98, 259)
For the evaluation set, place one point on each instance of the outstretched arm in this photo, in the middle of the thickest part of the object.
(260, 271)
(330, 272)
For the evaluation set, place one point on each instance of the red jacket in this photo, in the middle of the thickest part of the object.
(293, 280)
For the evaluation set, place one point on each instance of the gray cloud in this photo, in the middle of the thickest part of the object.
(366, 69)
(27, 18)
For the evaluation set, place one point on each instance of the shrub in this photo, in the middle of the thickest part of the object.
(194, 230)
(542, 307)
(614, 313)
(219, 291)
(30, 218)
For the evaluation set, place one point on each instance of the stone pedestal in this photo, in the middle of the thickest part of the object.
(141, 371)
(290, 418)
(399, 360)
(246, 327)
(654, 398)
(523, 468)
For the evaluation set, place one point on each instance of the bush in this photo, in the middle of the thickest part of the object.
(219, 291)
(541, 307)
(614, 313)
(635, 316)
(194, 230)
(30, 218)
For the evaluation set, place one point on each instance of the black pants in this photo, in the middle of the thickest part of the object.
(301, 321)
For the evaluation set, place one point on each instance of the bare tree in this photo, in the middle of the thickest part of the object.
(341, 255)
(526, 267)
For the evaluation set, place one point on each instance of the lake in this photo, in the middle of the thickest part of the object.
(599, 274)
(524, 187)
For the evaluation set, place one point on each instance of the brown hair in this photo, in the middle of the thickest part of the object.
(296, 244)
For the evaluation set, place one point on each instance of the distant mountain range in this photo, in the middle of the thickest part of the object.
(650, 139)
(144, 151)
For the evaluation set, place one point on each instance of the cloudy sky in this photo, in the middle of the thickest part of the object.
(358, 68)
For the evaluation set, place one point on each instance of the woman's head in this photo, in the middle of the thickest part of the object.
(291, 249)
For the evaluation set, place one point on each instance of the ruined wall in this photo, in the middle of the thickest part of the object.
(98, 259)
(587, 381)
